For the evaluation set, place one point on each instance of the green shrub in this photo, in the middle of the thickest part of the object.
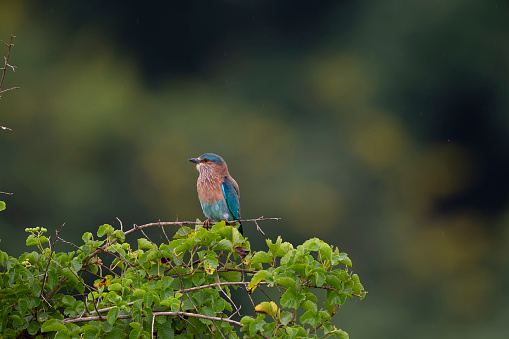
(178, 289)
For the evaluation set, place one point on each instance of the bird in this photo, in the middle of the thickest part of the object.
(218, 192)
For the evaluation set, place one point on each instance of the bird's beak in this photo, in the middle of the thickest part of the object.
(195, 160)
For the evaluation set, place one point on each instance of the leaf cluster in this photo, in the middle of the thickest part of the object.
(181, 288)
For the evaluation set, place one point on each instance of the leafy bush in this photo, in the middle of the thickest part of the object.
(179, 289)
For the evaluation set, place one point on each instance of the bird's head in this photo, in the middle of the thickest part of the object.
(209, 162)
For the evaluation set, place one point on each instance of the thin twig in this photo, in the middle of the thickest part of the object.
(121, 226)
(6, 65)
(218, 329)
(187, 321)
(167, 223)
(9, 89)
(52, 248)
(258, 227)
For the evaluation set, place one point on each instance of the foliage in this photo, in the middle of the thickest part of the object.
(181, 288)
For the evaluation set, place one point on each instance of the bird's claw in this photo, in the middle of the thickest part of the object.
(206, 224)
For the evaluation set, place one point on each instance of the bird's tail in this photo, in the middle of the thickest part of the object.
(240, 228)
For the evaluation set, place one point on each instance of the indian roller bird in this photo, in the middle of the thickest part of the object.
(217, 190)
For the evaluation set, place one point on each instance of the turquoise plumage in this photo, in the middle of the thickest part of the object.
(217, 190)
(232, 198)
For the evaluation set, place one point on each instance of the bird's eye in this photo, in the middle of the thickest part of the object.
(205, 160)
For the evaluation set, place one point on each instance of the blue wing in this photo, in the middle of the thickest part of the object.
(231, 195)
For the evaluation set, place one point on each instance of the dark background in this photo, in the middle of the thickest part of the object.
(380, 127)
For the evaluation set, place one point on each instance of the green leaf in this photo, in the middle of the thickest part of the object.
(165, 281)
(334, 297)
(231, 275)
(164, 330)
(286, 258)
(343, 258)
(90, 332)
(119, 235)
(311, 296)
(115, 333)
(144, 244)
(64, 334)
(223, 245)
(106, 327)
(148, 299)
(17, 320)
(134, 334)
(326, 251)
(319, 278)
(112, 315)
(299, 268)
(2, 205)
(333, 280)
(68, 300)
(115, 287)
(76, 265)
(139, 293)
(292, 299)
(70, 275)
(259, 276)
(33, 327)
(292, 332)
(246, 320)
(312, 244)
(136, 326)
(198, 279)
(42, 316)
(310, 318)
(87, 236)
(105, 229)
(23, 305)
(340, 334)
(218, 305)
(309, 306)
(208, 312)
(285, 318)
(31, 240)
(53, 325)
(236, 236)
(286, 281)
(261, 257)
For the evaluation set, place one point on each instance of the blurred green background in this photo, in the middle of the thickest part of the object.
(380, 127)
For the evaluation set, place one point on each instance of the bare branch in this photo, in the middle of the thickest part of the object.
(121, 225)
(7, 65)
(178, 314)
(9, 89)
(159, 223)
(212, 285)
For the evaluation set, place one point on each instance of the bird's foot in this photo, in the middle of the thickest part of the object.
(206, 224)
